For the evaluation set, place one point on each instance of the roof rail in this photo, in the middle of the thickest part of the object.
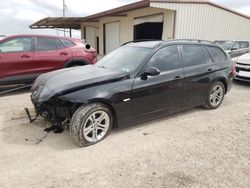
(141, 40)
(171, 40)
(193, 40)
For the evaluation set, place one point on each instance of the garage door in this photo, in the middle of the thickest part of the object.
(91, 36)
(112, 36)
(148, 27)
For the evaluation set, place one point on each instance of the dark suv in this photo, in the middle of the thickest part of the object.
(24, 57)
(135, 82)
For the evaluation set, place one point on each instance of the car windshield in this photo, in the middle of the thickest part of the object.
(225, 44)
(125, 58)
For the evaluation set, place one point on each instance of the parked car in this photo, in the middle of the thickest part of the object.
(136, 82)
(2, 37)
(234, 48)
(24, 57)
(243, 67)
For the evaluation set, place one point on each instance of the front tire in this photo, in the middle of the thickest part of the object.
(215, 95)
(91, 124)
(75, 65)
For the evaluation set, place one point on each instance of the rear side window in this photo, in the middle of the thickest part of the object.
(244, 44)
(217, 54)
(165, 59)
(46, 44)
(193, 55)
(67, 43)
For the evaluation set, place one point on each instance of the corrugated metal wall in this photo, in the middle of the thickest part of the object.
(204, 21)
(196, 21)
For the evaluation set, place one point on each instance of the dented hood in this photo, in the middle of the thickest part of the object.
(72, 79)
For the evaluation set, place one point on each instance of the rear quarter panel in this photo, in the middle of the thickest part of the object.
(224, 74)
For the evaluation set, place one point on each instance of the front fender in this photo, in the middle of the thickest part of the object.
(112, 94)
(87, 95)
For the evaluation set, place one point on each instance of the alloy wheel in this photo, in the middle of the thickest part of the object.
(96, 126)
(216, 95)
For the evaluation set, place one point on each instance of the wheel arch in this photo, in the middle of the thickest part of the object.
(224, 82)
(110, 106)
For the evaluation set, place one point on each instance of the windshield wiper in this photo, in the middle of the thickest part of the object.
(102, 67)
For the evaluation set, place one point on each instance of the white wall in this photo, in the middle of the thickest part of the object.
(193, 21)
(127, 24)
(91, 36)
(204, 21)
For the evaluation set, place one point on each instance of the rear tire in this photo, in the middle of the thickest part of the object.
(215, 95)
(91, 124)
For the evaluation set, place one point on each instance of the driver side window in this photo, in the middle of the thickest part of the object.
(165, 59)
(16, 45)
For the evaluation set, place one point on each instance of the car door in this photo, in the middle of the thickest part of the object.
(16, 59)
(198, 70)
(235, 49)
(244, 47)
(50, 54)
(152, 94)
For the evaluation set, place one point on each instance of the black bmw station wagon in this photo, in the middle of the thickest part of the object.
(137, 81)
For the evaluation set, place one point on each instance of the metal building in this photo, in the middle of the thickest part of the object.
(161, 19)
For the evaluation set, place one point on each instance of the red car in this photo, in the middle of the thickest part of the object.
(25, 57)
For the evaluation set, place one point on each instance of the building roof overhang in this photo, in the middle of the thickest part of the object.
(75, 22)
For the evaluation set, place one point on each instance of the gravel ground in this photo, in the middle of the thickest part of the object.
(195, 148)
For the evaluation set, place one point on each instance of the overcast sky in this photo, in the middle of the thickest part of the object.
(17, 15)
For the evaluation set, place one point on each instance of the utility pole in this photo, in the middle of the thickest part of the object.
(64, 10)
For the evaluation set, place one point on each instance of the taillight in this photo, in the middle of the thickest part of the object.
(233, 69)
(94, 57)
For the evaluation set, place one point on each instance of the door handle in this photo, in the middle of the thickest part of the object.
(25, 56)
(177, 77)
(210, 70)
(63, 53)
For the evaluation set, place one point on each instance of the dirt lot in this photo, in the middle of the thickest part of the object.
(195, 148)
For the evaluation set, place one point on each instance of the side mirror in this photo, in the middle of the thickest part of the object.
(150, 71)
(234, 48)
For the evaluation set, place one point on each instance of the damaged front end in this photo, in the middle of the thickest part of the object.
(50, 92)
(55, 111)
